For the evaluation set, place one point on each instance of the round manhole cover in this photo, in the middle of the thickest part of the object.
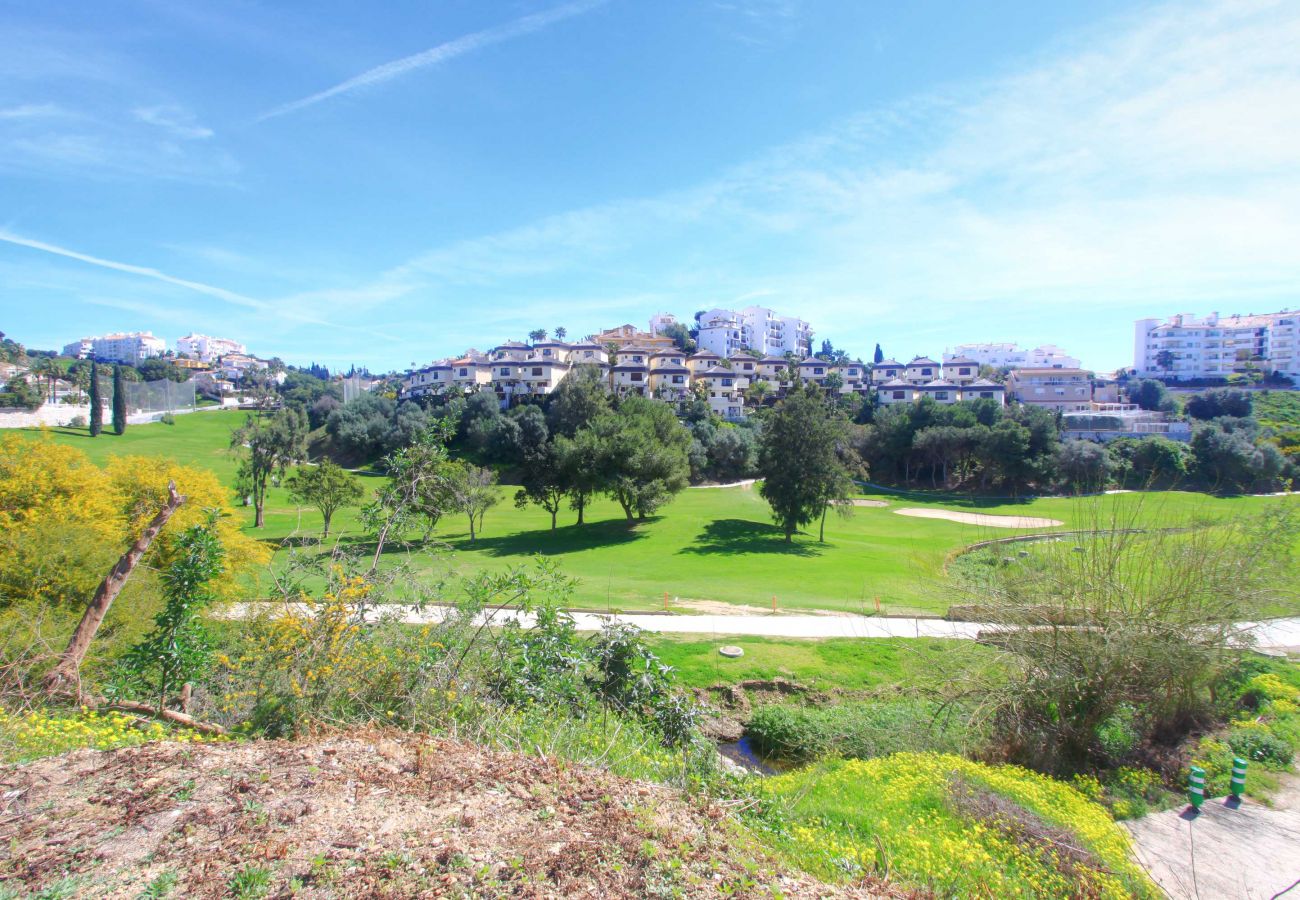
(731, 652)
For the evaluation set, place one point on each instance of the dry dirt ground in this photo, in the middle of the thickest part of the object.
(875, 504)
(371, 814)
(984, 519)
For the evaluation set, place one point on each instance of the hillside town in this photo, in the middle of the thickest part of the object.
(740, 360)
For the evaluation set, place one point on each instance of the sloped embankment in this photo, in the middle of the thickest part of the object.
(366, 814)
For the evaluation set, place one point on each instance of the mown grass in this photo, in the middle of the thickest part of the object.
(849, 664)
(708, 544)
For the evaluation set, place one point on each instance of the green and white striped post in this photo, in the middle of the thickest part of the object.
(1238, 777)
(1196, 786)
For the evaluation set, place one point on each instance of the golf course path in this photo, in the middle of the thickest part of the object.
(1276, 634)
(1228, 850)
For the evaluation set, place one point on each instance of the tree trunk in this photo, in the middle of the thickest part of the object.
(581, 505)
(66, 674)
(554, 513)
(471, 528)
(821, 532)
(258, 520)
(326, 532)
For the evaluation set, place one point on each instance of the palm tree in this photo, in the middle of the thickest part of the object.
(561, 333)
(47, 368)
(536, 335)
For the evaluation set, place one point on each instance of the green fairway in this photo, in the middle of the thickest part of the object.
(709, 544)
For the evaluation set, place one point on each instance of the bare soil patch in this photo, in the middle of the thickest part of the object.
(861, 501)
(368, 814)
(989, 521)
(719, 608)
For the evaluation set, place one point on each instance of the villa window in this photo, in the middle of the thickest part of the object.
(925, 371)
(463, 372)
(537, 370)
(941, 395)
(986, 395)
(638, 376)
(679, 379)
(898, 395)
(818, 370)
(728, 382)
(505, 371)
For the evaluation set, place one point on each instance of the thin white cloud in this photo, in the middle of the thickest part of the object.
(174, 120)
(27, 111)
(440, 54)
(130, 269)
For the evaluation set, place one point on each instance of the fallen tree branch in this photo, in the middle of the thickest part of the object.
(179, 718)
(65, 678)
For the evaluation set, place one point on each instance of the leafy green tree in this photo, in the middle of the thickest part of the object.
(644, 452)
(119, 401)
(1085, 465)
(680, 335)
(96, 402)
(268, 445)
(418, 487)
(543, 479)
(326, 486)
(799, 459)
(1153, 462)
(473, 490)
(21, 393)
(1165, 360)
(157, 369)
(582, 467)
(177, 649)
(1151, 395)
(577, 401)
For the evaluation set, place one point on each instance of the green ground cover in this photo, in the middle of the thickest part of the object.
(849, 664)
(708, 544)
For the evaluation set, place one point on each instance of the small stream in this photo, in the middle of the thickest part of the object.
(742, 753)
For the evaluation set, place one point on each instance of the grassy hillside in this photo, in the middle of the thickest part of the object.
(707, 545)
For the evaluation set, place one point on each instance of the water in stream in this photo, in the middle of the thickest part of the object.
(742, 753)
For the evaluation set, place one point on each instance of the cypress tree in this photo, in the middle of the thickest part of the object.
(96, 407)
(880, 354)
(119, 401)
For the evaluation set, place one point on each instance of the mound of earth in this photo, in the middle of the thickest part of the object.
(985, 519)
(367, 814)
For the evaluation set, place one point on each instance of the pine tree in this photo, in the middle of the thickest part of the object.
(119, 401)
(880, 355)
(96, 404)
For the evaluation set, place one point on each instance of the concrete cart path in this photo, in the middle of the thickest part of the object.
(1246, 851)
(1278, 634)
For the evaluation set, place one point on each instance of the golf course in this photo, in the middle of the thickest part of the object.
(709, 546)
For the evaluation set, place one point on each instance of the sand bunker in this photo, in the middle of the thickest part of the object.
(980, 518)
(860, 502)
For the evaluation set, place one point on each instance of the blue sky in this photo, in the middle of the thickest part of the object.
(384, 184)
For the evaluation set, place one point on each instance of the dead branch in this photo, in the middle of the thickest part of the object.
(65, 677)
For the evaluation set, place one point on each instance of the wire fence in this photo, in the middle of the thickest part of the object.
(163, 395)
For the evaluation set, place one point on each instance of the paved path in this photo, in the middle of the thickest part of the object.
(1246, 851)
(1275, 635)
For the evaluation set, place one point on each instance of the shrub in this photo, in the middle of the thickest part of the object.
(49, 732)
(1258, 744)
(77, 422)
(167, 419)
(854, 730)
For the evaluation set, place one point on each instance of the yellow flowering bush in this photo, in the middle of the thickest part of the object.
(314, 661)
(902, 814)
(37, 733)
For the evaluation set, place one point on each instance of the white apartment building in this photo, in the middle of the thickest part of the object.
(1183, 347)
(124, 347)
(660, 321)
(206, 348)
(757, 328)
(1047, 356)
